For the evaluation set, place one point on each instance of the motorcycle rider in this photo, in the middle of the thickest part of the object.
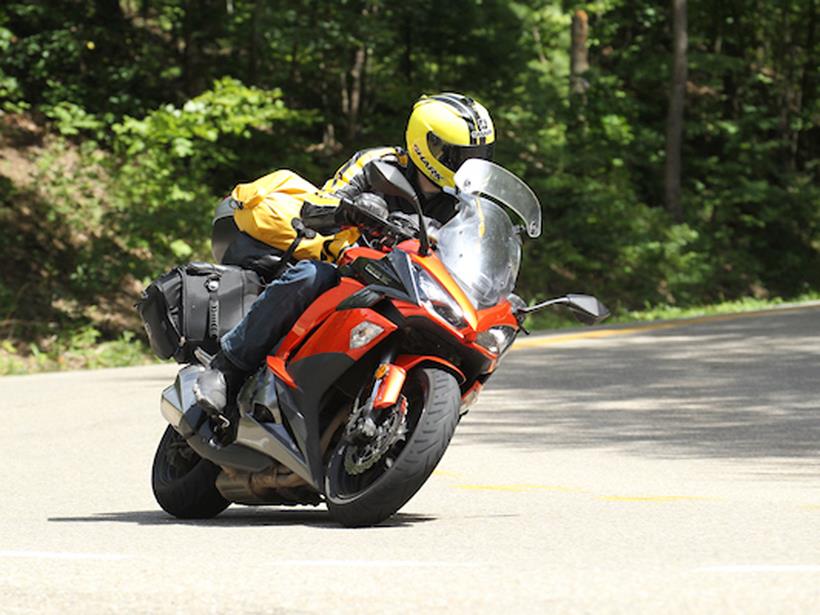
(443, 131)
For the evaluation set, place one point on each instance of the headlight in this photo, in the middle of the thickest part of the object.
(496, 339)
(438, 301)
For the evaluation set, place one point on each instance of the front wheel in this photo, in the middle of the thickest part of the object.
(184, 483)
(371, 496)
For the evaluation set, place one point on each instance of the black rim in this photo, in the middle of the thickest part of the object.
(180, 458)
(349, 486)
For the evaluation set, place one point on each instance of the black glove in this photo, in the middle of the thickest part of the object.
(409, 222)
(320, 218)
(366, 209)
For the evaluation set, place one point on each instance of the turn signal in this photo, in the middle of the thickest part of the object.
(364, 333)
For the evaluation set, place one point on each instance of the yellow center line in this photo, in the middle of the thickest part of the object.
(519, 488)
(527, 488)
(633, 498)
(584, 335)
(549, 340)
(654, 498)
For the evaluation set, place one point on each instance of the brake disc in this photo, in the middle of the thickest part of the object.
(361, 455)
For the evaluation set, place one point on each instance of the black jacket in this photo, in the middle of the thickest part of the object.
(351, 180)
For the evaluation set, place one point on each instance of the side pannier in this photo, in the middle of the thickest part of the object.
(192, 306)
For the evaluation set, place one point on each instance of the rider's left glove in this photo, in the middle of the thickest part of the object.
(365, 209)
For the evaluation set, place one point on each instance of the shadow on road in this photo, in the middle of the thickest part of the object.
(241, 517)
(747, 388)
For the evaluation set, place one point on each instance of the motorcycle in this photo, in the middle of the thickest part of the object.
(358, 403)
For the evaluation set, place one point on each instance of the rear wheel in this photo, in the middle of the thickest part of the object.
(184, 483)
(374, 490)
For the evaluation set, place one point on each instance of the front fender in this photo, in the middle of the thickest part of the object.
(395, 373)
(409, 361)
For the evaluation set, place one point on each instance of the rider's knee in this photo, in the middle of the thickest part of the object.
(327, 275)
(316, 274)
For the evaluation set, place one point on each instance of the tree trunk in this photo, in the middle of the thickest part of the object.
(407, 54)
(356, 74)
(109, 12)
(579, 54)
(674, 121)
(784, 59)
(351, 93)
(808, 80)
(539, 46)
(187, 51)
(254, 43)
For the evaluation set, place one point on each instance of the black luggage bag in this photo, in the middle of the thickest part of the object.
(192, 306)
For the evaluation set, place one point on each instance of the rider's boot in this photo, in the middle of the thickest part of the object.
(218, 384)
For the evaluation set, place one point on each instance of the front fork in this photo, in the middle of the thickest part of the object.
(387, 387)
(388, 381)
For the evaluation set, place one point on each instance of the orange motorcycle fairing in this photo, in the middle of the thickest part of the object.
(318, 311)
(496, 315)
(334, 334)
(277, 366)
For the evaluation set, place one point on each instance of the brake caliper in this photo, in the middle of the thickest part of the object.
(372, 431)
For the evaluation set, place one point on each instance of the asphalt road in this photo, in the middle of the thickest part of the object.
(673, 470)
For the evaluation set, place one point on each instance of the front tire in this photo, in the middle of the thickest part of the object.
(369, 498)
(184, 483)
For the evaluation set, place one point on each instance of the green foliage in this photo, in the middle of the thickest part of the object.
(71, 119)
(151, 111)
(82, 349)
(170, 168)
(750, 177)
(9, 87)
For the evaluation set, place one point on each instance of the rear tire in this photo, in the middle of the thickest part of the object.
(432, 418)
(184, 483)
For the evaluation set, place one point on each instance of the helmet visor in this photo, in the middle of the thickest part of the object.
(452, 156)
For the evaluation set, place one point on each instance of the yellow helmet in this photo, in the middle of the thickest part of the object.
(446, 129)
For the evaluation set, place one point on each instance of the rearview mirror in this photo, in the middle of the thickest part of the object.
(388, 180)
(587, 309)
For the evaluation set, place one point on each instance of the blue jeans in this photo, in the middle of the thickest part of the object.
(275, 311)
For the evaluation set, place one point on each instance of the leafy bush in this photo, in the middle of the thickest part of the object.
(71, 119)
(10, 93)
(82, 349)
(171, 167)
(149, 112)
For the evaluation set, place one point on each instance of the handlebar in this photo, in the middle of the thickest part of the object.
(397, 231)
(380, 227)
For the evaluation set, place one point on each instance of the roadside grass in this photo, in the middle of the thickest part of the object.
(79, 351)
(82, 350)
(561, 318)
